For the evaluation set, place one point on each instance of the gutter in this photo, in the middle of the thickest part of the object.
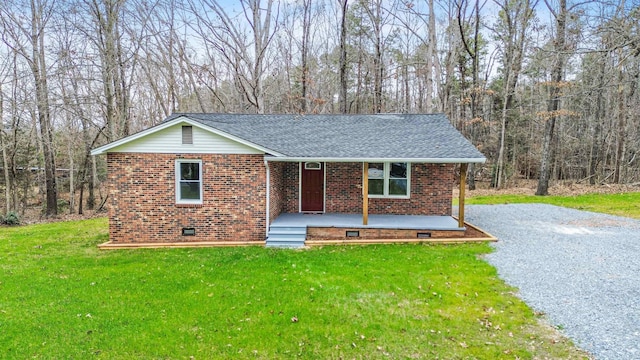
(375, 160)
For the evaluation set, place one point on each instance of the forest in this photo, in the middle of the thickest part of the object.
(546, 90)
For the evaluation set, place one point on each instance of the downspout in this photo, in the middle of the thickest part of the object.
(266, 164)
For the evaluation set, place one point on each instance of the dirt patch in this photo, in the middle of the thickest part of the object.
(561, 188)
(34, 215)
(472, 232)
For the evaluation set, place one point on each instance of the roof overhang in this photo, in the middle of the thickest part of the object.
(374, 160)
(180, 119)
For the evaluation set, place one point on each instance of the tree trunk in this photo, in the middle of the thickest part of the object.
(553, 104)
(432, 57)
(342, 99)
(39, 71)
(473, 50)
(407, 88)
(516, 19)
(72, 189)
(620, 133)
(378, 65)
(5, 160)
(596, 150)
(91, 199)
(304, 53)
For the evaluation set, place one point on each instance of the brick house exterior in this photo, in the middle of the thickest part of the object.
(142, 206)
(243, 184)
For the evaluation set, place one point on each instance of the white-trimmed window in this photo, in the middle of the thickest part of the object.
(188, 181)
(312, 166)
(390, 180)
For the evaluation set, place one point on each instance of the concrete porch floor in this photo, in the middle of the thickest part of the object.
(418, 222)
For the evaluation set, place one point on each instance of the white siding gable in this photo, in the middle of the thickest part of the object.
(169, 141)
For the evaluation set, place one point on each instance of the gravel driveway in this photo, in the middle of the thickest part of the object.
(581, 269)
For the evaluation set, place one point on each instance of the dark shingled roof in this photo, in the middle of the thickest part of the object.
(379, 136)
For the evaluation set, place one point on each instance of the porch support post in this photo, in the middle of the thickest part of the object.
(463, 180)
(365, 193)
(268, 191)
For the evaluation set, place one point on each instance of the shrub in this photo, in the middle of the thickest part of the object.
(63, 205)
(11, 218)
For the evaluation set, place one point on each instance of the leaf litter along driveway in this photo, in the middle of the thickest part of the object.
(581, 269)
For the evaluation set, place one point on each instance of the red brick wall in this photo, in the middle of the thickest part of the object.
(143, 206)
(344, 188)
(291, 187)
(276, 190)
(431, 193)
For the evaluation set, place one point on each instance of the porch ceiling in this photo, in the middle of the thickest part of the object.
(417, 222)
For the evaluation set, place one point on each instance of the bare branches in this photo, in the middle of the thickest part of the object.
(79, 73)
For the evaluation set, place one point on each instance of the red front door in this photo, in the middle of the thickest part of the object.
(312, 187)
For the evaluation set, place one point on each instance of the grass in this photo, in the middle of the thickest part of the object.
(625, 204)
(61, 297)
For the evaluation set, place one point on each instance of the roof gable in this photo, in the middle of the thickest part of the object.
(166, 138)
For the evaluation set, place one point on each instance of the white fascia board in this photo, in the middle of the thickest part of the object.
(374, 160)
(180, 119)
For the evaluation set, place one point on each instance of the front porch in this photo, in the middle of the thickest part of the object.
(299, 229)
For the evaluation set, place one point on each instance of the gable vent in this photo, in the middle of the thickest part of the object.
(187, 135)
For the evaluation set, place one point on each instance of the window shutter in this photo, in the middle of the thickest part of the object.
(187, 135)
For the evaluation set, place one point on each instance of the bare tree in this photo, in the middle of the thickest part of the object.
(511, 31)
(106, 17)
(304, 53)
(431, 73)
(374, 11)
(26, 36)
(433, 64)
(598, 115)
(5, 158)
(342, 100)
(472, 47)
(553, 103)
(242, 40)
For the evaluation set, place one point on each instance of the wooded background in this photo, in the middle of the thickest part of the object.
(546, 90)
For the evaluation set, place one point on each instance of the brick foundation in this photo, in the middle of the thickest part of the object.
(332, 233)
(143, 208)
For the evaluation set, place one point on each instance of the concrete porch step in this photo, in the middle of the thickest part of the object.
(286, 236)
(296, 231)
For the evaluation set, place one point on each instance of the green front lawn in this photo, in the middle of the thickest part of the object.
(61, 297)
(626, 204)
